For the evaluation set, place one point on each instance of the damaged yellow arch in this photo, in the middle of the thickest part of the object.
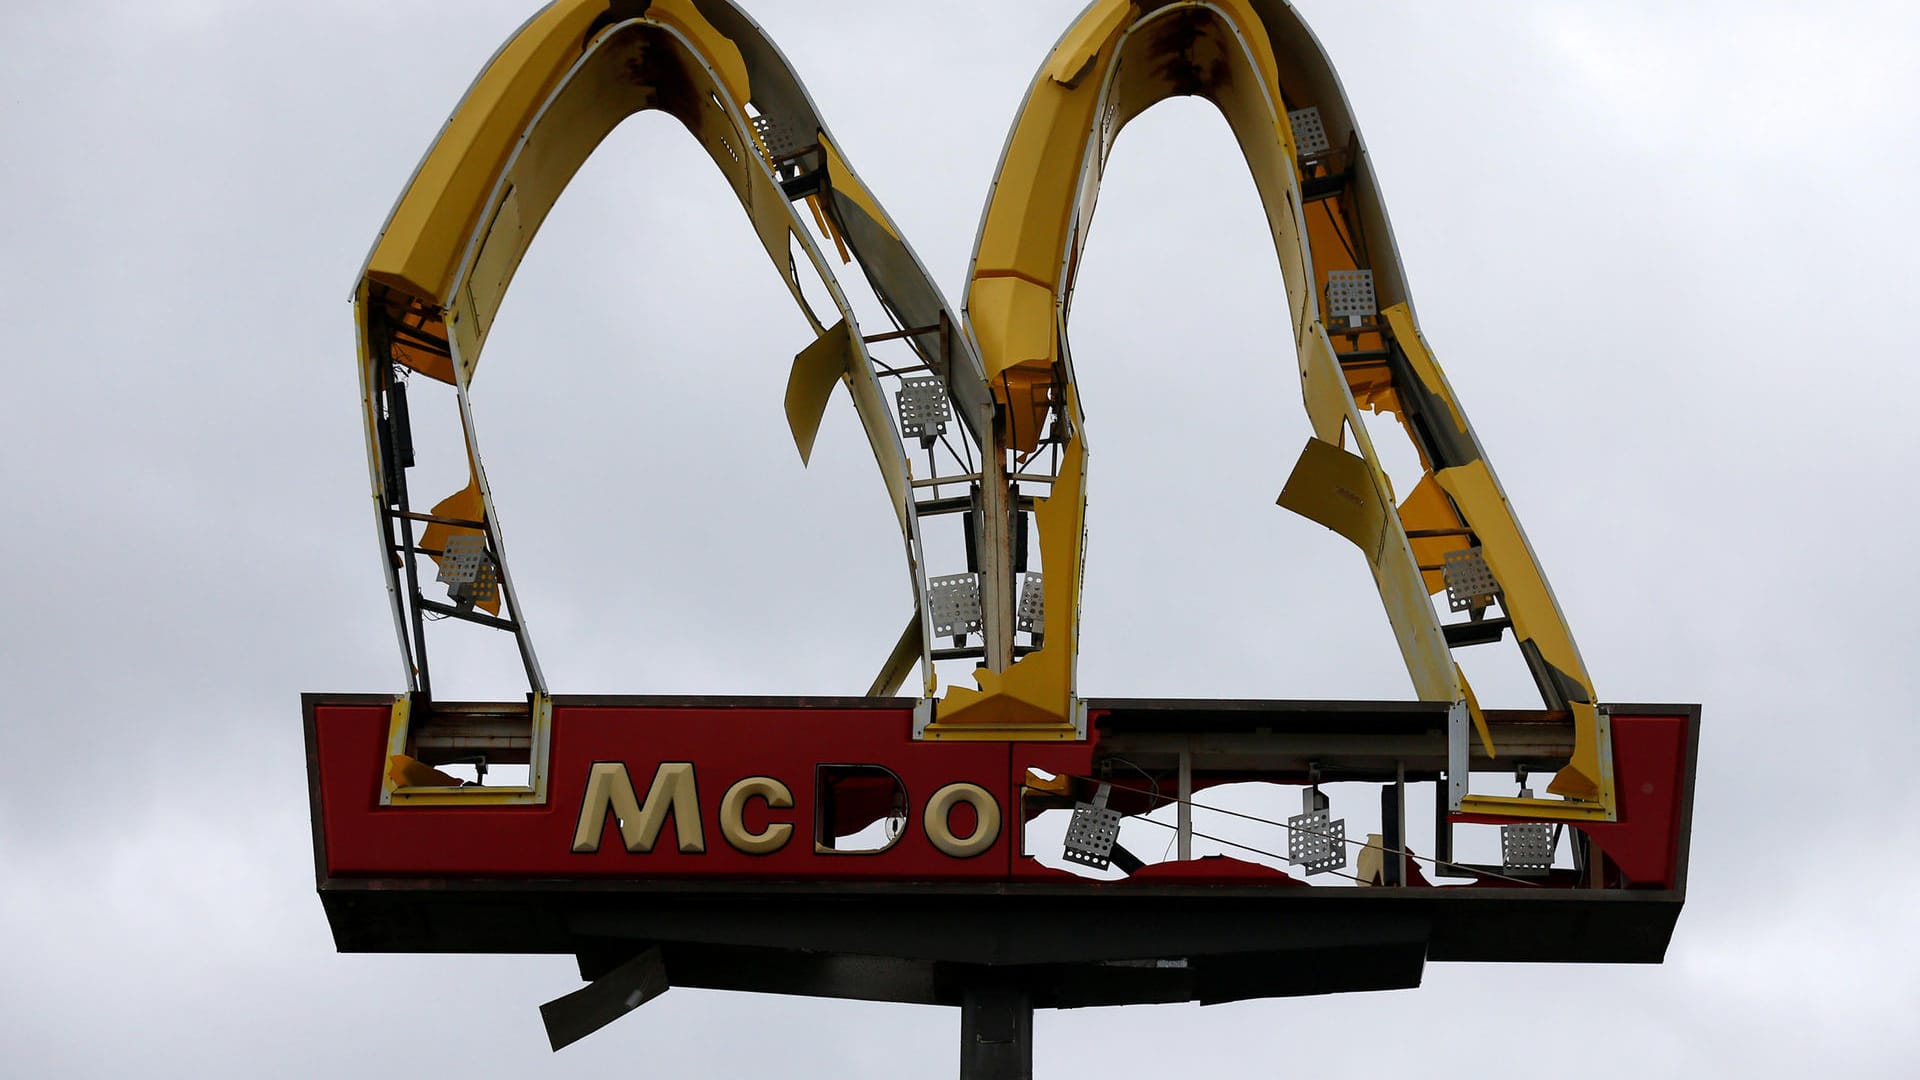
(1358, 346)
(441, 267)
(442, 264)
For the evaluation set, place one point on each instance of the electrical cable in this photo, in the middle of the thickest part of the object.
(1176, 801)
(1340, 232)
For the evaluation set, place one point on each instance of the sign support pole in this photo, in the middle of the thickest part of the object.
(996, 1031)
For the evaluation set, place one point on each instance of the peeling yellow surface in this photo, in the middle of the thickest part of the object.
(842, 179)
(1400, 317)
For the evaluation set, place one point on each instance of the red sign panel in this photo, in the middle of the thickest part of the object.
(777, 792)
(799, 792)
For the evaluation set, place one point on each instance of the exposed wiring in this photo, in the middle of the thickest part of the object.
(1339, 231)
(1249, 847)
(1173, 800)
(1151, 779)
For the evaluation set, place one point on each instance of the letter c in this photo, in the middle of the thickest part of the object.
(733, 808)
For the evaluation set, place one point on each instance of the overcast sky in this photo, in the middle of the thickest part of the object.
(1666, 253)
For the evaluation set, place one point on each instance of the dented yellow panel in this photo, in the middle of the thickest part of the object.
(845, 183)
(1336, 489)
(816, 371)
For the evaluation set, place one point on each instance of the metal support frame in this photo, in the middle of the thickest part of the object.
(1184, 822)
(996, 1030)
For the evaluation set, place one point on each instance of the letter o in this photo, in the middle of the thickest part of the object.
(733, 808)
(986, 826)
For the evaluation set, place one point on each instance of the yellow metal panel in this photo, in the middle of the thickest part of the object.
(1589, 773)
(1525, 596)
(1534, 809)
(1076, 53)
(1400, 318)
(403, 771)
(1473, 711)
(1529, 602)
(467, 504)
(1059, 786)
(1322, 387)
(877, 421)
(1428, 509)
(906, 653)
(498, 257)
(420, 250)
(1033, 697)
(426, 237)
(715, 48)
(1396, 575)
(1027, 219)
(846, 183)
(816, 371)
(826, 228)
(541, 106)
(1013, 319)
(1335, 488)
(1042, 203)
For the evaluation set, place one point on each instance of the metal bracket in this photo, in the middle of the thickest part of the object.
(1457, 734)
(1350, 296)
(1094, 830)
(1470, 582)
(924, 408)
(1526, 847)
(1314, 839)
(953, 605)
(1030, 616)
(1309, 134)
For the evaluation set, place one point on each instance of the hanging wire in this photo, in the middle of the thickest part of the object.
(1176, 801)
(1249, 847)
(1151, 779)
(1340, 231)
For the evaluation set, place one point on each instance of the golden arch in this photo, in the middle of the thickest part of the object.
(1261, 67)
(545, 101)
(571, 73)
